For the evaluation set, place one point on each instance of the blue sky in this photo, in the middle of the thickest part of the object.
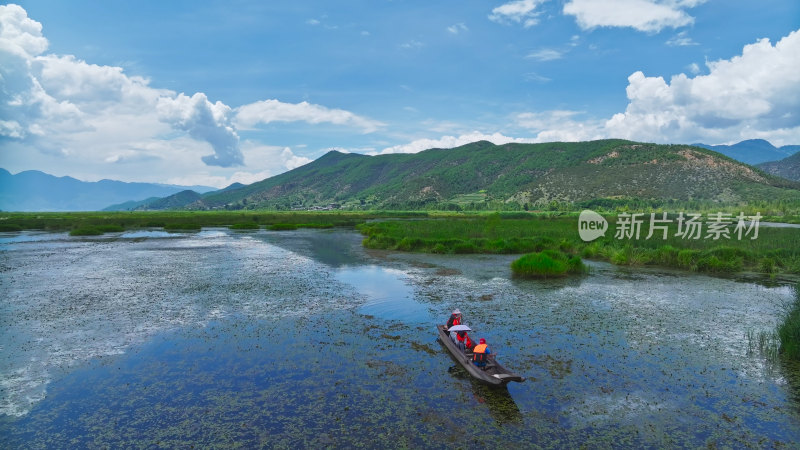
(193, 92)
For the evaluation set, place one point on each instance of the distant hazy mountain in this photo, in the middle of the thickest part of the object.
(174, 201)
(481, 172)
(788, 168)
(32, 190)
(753, 151)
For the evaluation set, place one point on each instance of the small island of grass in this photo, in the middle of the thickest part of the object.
(96, 230)
(547, 264)
(245, 226)
(186, 226)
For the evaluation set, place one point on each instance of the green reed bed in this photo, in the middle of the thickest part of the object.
(9, 227)
(547, 264)
(789, 330)
(185, 226)
(775, 251)
(245, 226)
(295, 226)
(96, 230)
(128, 220)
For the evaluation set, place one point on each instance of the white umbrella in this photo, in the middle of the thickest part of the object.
(460, 328)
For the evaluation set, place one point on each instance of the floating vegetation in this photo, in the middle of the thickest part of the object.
(283, 226)
(294, 226)
(96, 230)
(85, 231)
(185, 226)
(245, 226)
(9, 227)
(547, 264)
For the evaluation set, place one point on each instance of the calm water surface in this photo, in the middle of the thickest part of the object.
(302, 338)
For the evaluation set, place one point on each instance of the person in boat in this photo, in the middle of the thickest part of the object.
(480, 354)
(469, 344)
(455, 318)
(464, 342)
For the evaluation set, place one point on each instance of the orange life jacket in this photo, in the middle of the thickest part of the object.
(479, 353)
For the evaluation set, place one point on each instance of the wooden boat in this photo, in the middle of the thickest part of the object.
(494, 373)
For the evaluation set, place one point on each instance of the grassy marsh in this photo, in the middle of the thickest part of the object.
(774, 252)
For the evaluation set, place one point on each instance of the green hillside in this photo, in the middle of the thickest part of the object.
(482, 174)
(788, 168)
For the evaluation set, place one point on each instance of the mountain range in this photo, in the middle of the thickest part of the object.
(476, 175)
(32, 190)
(482, 173)
(754, 151)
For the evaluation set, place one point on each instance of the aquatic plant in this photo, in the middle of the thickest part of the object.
(283, 226)
(687, 258)
(86, 231)
(245, 226)
(110, 228)
(789, 330)
(765, 344)
(539, 265)
(591, 250)
(96, 230)
(294, 226)
(767, 265)
(8, 227)
(182, 226)
(666, 255)
(547, 264)
(575, 265)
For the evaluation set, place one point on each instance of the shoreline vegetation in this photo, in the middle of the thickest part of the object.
(773, 253)
(547, 242)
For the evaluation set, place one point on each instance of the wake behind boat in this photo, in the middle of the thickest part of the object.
(494, 373)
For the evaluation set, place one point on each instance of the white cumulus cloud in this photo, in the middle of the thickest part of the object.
(643, 15)
(560, 125)
(518, 11)
(452, 141)
(206, 121)
(756, 94)
(267, 111)
(20, 35)
(68, 116)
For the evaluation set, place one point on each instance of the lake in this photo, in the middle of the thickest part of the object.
(304, 338)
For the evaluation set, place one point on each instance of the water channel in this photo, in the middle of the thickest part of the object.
(303, 338)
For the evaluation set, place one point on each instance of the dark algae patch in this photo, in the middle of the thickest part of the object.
(221, 385)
